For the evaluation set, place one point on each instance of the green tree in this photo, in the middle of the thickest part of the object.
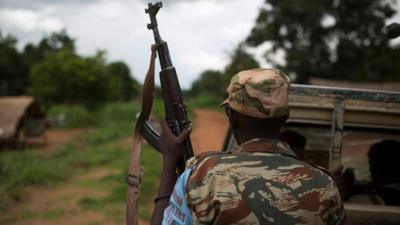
(124, 86)
(48, 45)
(15, 65)
(240, 60)
(65, 77)
(214, 82)
(209, 82)
(334, 39)
(13, 71)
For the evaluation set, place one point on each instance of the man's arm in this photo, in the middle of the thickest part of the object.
(170, 146)
(168, 179)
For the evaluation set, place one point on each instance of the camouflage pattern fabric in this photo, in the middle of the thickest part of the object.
(253, 186)
(261, 93)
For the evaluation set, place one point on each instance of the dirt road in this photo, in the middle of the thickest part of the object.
(209, 130)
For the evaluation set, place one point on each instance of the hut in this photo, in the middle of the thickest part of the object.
(21, 119)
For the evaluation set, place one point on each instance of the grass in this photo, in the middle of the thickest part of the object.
(204, 101)
(99, 148)
(118, 190)
(20, 169)
(29, 214)
(75, 116)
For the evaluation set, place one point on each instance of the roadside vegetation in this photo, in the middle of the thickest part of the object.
(101, 147)
(104, 146)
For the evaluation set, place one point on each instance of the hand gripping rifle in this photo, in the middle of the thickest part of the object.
(175, 114)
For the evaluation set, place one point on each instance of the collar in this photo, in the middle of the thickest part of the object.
(265, 145)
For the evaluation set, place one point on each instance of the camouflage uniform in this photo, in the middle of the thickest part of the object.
(256, 185)
(261, 93)
(260, 182)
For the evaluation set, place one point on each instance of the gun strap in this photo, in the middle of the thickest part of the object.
(134, 177)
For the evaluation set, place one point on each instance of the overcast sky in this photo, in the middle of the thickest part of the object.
(200, 33)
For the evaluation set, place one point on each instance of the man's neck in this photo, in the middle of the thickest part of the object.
(247, 136)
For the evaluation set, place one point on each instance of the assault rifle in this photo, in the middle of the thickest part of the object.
(175, 115)
(175, 109)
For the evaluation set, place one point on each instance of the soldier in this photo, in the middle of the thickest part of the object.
(261, 181)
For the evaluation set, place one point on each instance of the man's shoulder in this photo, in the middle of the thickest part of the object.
(214, 161)
(282, 184)
(247, 165)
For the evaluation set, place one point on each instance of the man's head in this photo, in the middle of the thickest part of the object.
(383, 162)
(257, 103)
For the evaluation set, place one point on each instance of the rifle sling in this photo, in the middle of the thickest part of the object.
(134, 177)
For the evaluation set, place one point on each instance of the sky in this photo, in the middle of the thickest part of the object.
(200, 33)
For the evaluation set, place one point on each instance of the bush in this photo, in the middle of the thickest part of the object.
(74, 116)
(65, 76)
(119, 112)
(100, 146)
(204, 101)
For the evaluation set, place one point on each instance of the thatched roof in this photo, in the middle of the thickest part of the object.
(12, 110)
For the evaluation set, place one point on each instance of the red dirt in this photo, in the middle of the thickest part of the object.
(56, 138)
(62, 201)
(209, 130)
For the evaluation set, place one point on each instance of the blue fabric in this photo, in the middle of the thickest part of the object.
(178, 212)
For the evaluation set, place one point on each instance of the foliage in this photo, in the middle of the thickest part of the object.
(66, 77)
(118, 192)
(48, 45)
(329, 39)
(15, 65)
(53, 72)
(122, 81)
(240, 60)
(204, 101)
(210, 82)
(119, 112)
(13, 73)
(101, 147)
(71, 116)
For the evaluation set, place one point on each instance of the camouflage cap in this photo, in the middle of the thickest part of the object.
(261, 93)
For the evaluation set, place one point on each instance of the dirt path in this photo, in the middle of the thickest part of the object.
(209, 130)
(56, 138)
(54, 205)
